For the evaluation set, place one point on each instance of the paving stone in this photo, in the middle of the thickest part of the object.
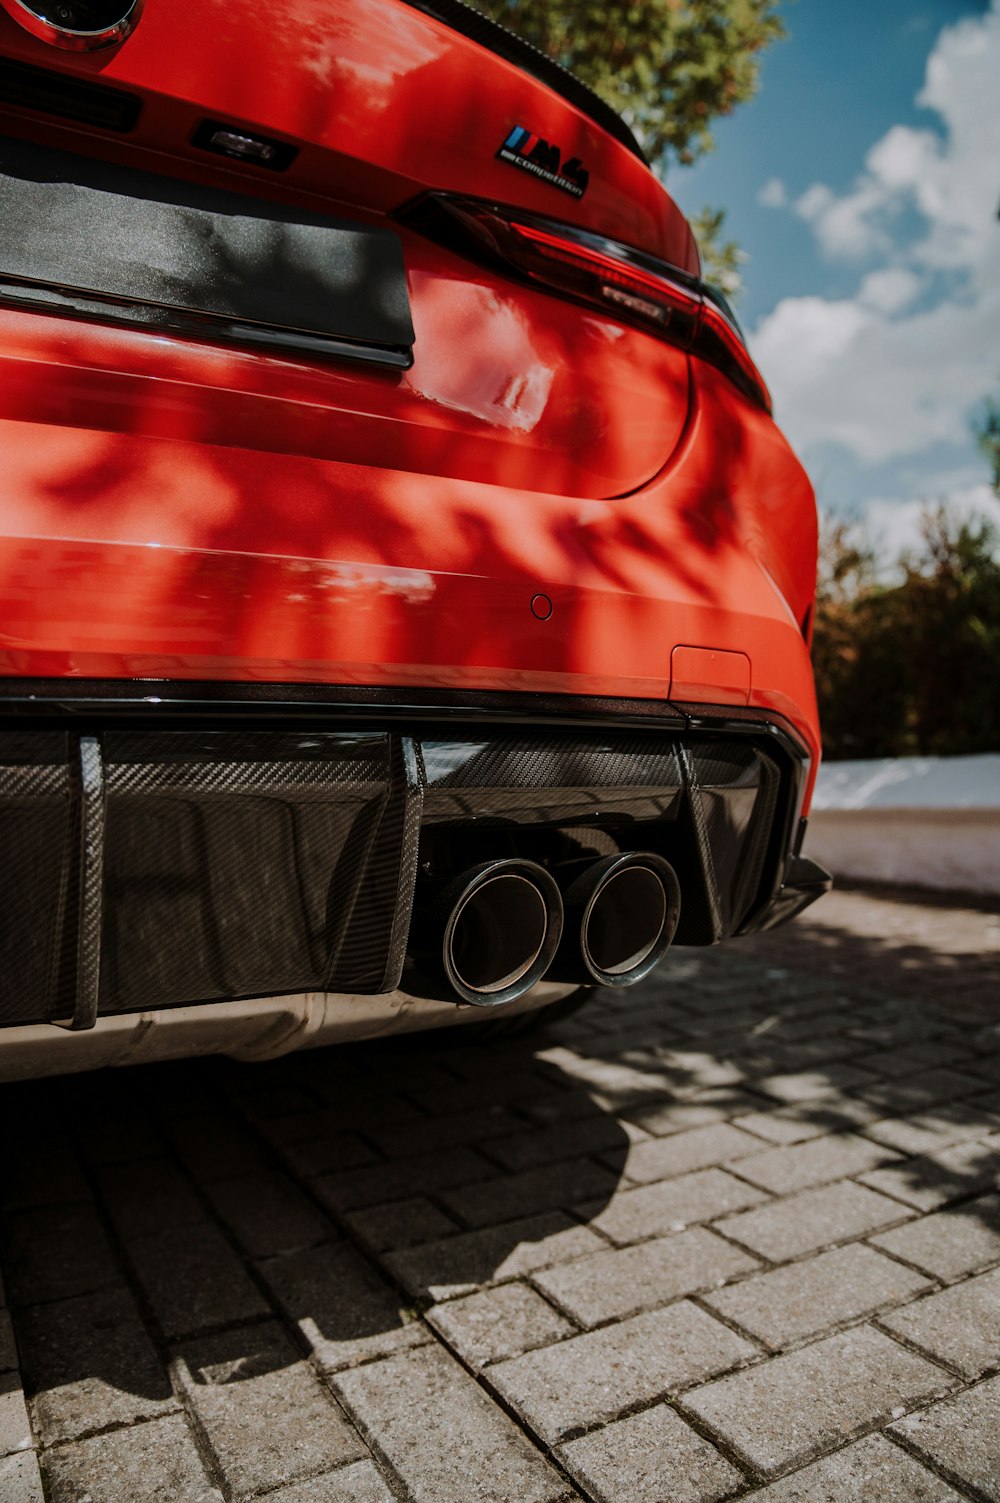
(935, 1179)
(498, 1323)
(691, 1070)
(403, 1141)
(909, 1059)
(20, 1479)
(961, 1436)
(442, 1270)
(784, 1411)
(368, 1111)
(812, 1219)
(915, 1092)
(513, 1195)
(151, 1463)
(594, 1377)
(120, 1140)
(670, 1205)
(54, 1252)
(15, 1431)
(680, 1153)
(159, 1198)
(803, 1299)
(267, 1418)
(88, 1363)
(358, 1483)
(402, 1223)
(46, 1172)
(623, 1281)
(318, 1124)
(869, 1471)
(442, 1435)
(630, 1462)
(949, 1243)
(269, 1215)
(811, 1085)
(664, 1117)
(986, 1065)
(8, 1346)
(214, 1147)
(321, 1154)
(960, 1325)
(498, 1089)
(923, 1132)
(193, 1280)
(808, 1119)
(377, 1183)
(610, 1084)
(799, 1167)
(598, 1133)
(345, 1312)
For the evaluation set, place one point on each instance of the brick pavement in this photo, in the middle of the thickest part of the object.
(733, 1234)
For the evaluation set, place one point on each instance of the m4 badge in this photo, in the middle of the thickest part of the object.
(523, 148)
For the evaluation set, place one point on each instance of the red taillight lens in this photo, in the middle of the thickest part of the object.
(636, 288)
(630, 292)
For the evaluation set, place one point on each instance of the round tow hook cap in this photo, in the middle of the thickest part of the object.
(541, 607)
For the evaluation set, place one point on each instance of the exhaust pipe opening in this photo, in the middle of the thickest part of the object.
(625, 921)
(621, 916)
(494, 931)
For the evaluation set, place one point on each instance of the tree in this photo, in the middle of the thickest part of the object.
(669, 67)
(987, 432)
(720, 259)
(913, 666)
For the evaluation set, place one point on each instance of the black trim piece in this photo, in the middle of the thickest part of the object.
(77, 698)
(90, 883)
(66, 97)
(805, 881)
(514, 49)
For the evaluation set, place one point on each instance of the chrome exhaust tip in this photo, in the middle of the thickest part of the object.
(502, 926)
(621, 917)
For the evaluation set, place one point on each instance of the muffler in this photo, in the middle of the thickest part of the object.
(492, 933)
(620, 918)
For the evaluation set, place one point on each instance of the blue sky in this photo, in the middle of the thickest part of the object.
(863, 183)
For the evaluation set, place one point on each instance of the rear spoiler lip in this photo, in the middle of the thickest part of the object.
(507, 44)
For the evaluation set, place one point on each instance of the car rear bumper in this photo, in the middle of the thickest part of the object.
(205, 844)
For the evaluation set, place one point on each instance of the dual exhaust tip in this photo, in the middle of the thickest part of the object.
(507, 923)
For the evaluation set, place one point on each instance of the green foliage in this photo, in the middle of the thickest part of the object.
(987, 432)
(669, 67)
(911, 667)
(720, 259)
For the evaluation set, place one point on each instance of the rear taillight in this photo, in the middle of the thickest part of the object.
(631, 285)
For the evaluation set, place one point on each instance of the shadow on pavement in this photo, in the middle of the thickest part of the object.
(176, 1229)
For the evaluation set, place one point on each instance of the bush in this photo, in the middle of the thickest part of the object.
(913, 667)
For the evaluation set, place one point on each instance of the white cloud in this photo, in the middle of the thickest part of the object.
(847, 227)
(889, 289)
(773, 195)
(881, 373)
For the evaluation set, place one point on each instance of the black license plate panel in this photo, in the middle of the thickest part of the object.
(107, 242)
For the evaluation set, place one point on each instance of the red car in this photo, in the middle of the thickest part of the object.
(406, 593)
